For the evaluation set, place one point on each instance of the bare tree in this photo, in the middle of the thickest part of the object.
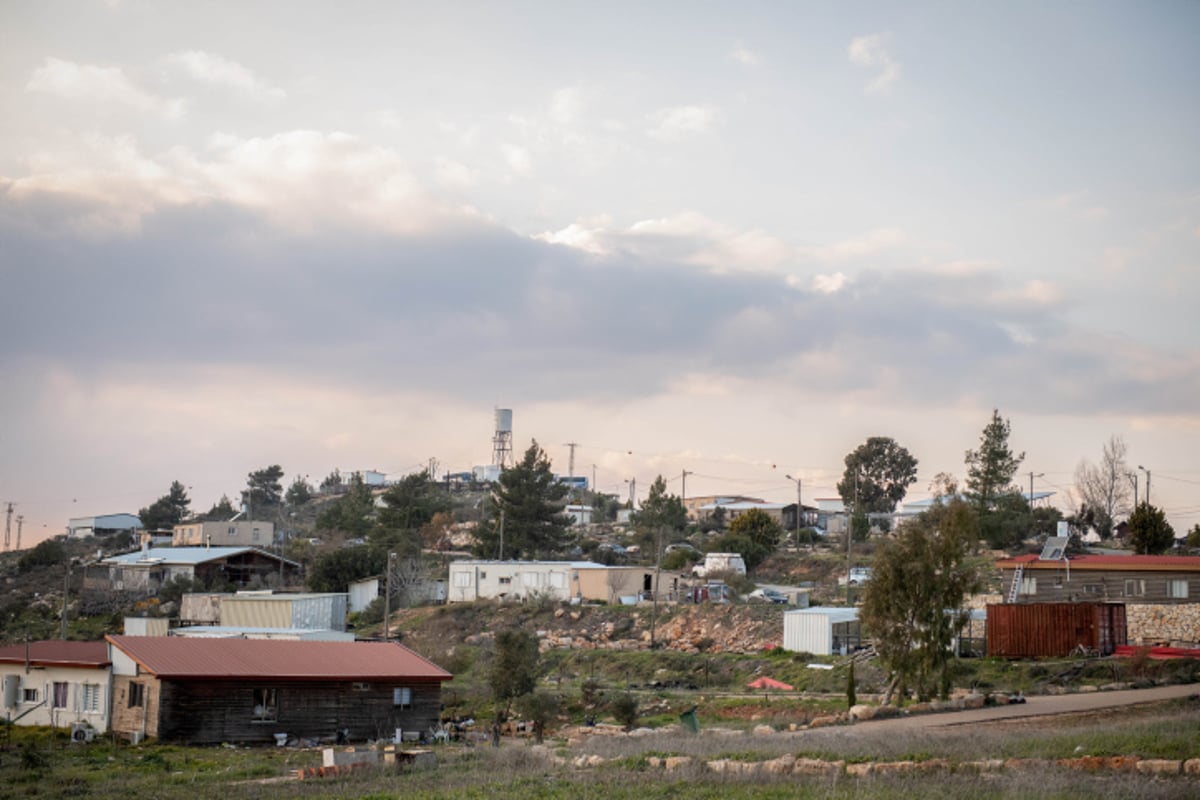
(1104, 488)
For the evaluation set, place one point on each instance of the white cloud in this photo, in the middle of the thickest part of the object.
(578, 236)
(517, 158)
(100, 85)
(220, 71)
(678, 122)
(301, 180)
(452, 173)
(566, 106)
(874, 242)
(744, 55)
(868, 51)
(829, 284)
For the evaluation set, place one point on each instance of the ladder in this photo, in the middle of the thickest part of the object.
(1015, 589)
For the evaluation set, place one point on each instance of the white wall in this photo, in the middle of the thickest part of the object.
(41, 680)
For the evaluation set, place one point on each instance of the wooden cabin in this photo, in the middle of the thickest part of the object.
(205, 691)
(1102, 578)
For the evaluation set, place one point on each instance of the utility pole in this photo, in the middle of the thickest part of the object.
(1031, 477)
(799, 512)
(1143, 469)
(501, 535)
(387, 596)
(20, 522)
(571, 471)
(683, 489)
(8, 527)
(66, 597)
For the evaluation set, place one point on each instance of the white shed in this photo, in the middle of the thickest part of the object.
(821, 631)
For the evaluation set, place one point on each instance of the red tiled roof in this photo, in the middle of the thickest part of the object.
(57, 653)
(176, 657)
(1121, 562)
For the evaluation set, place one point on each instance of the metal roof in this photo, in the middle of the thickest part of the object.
(744, 505)
(1132, 563)
(57, 653)
(185, 555)
(833, 614)
(179, 658)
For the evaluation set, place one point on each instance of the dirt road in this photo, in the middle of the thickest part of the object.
(1042, 705)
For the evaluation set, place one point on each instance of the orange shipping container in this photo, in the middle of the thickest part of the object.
(1032, 630)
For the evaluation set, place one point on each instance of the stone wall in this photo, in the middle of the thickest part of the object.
(1175, 625)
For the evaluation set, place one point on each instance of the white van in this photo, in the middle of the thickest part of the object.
(720, 562)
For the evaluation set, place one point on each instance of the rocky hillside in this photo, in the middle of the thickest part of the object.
(687, 628)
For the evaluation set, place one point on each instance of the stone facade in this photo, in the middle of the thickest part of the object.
(1152, 623)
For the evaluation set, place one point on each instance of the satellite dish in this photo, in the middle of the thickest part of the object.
(1055, 549)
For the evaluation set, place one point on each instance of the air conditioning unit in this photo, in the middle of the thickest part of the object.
(82, 732)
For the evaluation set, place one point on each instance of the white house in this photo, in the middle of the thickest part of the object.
(559, 580)
(58, 683)
(580, 515)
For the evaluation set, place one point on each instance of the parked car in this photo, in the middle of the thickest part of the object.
(768, 596)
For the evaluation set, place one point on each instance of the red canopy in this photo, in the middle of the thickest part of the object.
(768, 683)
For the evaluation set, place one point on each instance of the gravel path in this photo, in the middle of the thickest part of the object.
(1039, 706)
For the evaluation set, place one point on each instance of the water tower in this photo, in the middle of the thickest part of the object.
(502, 451)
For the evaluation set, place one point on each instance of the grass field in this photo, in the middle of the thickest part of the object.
(38, 763)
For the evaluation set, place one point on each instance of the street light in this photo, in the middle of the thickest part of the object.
(799, 511)
(1143, 469)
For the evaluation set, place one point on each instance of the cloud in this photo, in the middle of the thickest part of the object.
(518, 159)
(680, 122)
(871, 244)
(220, 71)
(745, 56)
(301, 180)
(566, 106)
(868, 51)
(828, 284)
(687, 238)
(98, 85)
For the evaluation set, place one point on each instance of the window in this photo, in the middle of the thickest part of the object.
(505, 581)
(1029, 585)
(558, 580)
(462, 579)
(137, 695)
(531, 580)
(89, 698)
(402, 697)
(1177, 589)
(254, 535)
(482, 575)
(29, 696)
(361, 686)
(266, 705)
(1093, 588)
(1135, 587)
(60, 695)
(233, 530)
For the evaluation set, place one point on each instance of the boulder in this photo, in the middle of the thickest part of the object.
(1159, 766)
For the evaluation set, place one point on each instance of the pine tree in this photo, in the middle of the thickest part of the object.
(991, 468)
(526, 508)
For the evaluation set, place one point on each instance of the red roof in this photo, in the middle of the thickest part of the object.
(177, 657)
(1123, 562)
(57, 653)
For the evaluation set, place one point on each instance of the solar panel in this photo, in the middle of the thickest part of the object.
(1055, 549)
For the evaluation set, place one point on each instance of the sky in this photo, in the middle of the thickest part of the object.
(731, 239)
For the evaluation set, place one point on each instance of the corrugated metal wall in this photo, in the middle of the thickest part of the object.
(1032, 630)
(324, 612)
(807, 633)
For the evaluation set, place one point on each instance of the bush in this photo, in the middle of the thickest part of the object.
(624, 708)
(46, 554)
